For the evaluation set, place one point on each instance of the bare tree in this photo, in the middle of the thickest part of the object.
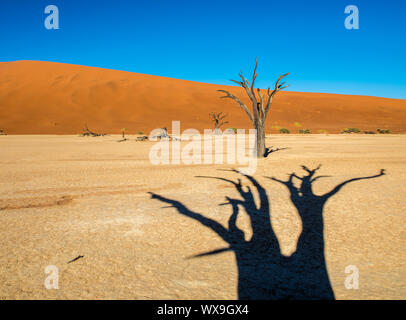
(260, 105)
(217, 118)
(87, 132)
(123, 134)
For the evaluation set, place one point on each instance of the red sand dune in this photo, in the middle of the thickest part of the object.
(56, 98)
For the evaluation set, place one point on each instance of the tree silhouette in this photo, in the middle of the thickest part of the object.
(263, 272)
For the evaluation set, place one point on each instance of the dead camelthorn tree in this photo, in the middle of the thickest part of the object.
(87, 132)
(260, 105)
(123, 133)
(217, 118)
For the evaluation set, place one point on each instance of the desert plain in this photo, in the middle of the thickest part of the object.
(63, 197)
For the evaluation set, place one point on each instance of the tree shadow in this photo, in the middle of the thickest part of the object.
(263, 272)
(269, 150)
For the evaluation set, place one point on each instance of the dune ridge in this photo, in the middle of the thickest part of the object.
(55, 98)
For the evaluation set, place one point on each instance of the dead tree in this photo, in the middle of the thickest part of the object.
(87, 132)
(217, 118)
(2, 133)
(260, 105)
(124, 138)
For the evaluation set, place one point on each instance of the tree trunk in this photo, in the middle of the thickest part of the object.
(260, 141)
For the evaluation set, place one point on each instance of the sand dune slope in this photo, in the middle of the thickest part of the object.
(55, 98)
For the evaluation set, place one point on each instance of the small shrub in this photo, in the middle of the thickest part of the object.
(284, 130)
(369, 132)
(140, 132)
(305, 131)
(383, 131)
(297, 124)
(322, 131)
(351, 130)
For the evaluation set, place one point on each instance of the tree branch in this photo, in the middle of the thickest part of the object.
(278, 87)
(242, 105)
(245, 84)
(261, 99)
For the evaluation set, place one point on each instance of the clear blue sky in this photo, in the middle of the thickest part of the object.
(211, 41)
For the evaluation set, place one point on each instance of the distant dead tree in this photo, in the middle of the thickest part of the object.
(2, 133)
(123, 134)
(87, 132)
(260, 107)
(217, 118)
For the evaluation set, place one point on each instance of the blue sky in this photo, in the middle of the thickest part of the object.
(211, 41)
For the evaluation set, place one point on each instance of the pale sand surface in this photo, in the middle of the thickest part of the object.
(65, 196)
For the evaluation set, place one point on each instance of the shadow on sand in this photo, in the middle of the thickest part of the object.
(270, 150)
(263, 272)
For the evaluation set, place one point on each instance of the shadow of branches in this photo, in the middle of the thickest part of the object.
(263, 272)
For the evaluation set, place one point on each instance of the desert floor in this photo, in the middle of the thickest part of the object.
(66, 196)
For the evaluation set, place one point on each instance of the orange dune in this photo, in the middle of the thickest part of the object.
(55, 98)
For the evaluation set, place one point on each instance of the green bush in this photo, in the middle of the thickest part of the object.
(284, 130)
(369, 132)
(383, 131)
(305, 131)
(351, 130)
(140, 132)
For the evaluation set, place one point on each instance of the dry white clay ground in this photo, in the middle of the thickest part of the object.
(67, 196)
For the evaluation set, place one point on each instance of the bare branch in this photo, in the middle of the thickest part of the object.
(246, 85)
(284, 87)
(254, 75)
(238, 82)
(278, 87)
(242, 105)
(261, 101)
(268, 103)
